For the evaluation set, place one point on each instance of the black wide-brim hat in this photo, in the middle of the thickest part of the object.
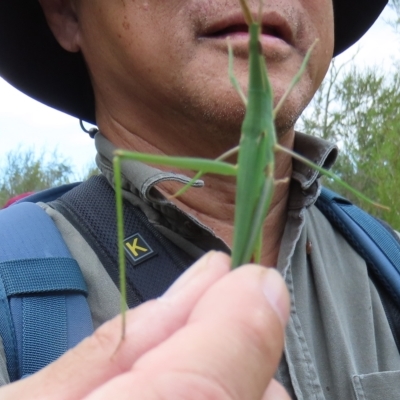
(33, 62)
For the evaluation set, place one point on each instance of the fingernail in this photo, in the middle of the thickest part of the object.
(276, 293)
(190, 274)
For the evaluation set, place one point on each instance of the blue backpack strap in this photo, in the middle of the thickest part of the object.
(368, 236)
(377, 245)
(43, 309)
(48, 195)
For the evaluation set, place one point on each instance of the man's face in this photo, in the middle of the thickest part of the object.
(171, 55)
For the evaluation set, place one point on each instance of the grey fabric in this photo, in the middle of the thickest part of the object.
(338, 328)
(4, 377)
(373, 386)
(103, 297)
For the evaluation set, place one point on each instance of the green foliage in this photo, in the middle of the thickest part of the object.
(25, 171)
(88, 171)
(395, 5)
(92, 170)
(360, 110)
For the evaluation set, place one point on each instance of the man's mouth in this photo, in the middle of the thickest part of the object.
(244, 29)
(273, 25)
(230, 30)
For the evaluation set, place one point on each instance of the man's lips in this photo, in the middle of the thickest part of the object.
(273, 24)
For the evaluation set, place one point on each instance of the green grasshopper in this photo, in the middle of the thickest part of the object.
(256, 158)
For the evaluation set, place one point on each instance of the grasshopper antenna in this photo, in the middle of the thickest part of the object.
(246, 12)
(260, 8)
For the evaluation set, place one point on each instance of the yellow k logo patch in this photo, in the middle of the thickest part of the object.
(137, 248)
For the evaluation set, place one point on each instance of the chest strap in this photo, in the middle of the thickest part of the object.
(153, 262)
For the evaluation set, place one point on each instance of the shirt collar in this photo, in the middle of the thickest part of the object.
(141, 176)
(305, 186)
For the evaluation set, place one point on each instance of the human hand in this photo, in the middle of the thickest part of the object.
(212, 335)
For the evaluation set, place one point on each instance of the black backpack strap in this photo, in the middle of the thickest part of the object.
(153, 262)
(376, 244)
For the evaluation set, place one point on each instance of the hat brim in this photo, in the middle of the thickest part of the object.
(33, 62)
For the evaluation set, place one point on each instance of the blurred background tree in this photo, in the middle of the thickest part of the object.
(24, 170)
(360, 111)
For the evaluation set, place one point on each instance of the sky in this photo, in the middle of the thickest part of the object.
(26, 123)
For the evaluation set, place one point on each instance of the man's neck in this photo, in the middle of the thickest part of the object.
(213, 205)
